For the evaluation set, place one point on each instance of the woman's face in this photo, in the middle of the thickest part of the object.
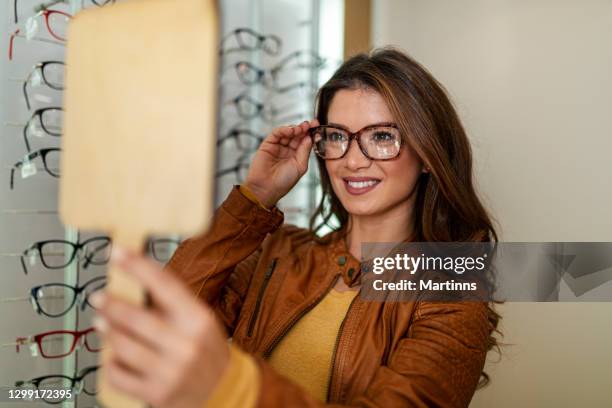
(388, 184)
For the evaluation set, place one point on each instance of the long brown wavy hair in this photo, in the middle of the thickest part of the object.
(447, 207)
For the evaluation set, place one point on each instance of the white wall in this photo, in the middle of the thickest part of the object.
(531, 80)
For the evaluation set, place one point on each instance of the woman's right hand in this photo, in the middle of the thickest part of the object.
(280, 161)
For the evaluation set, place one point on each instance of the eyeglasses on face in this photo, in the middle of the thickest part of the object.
(85, 382)
(28, 168)
(50, 73)
(60, 343)
(44, 121)
(381, 141)
(58, 254)
(56, 299)
(250, 40)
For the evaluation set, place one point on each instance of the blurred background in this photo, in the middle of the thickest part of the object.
(530, 80)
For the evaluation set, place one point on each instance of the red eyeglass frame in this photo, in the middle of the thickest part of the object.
(46, 13)
(38, 339)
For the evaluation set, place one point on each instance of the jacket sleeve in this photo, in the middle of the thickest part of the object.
(222, 259)
(437, 364)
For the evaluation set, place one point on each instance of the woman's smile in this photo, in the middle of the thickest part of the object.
(360, 185)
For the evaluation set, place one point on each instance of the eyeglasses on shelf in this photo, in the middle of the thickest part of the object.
(44, 121)
(84, 381)
(56, 299)
(99, 3)
(58, 253)
(250, 108)
(60, 343)
(249, 75)
(240, 171)
(56, 23)
(50, 73)
(250, 40)
(299, 59)
(245, 139)
(28, 168)
(377, 142)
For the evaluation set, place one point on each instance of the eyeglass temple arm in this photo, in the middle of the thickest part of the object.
(12, 177)
(25, 91)
(12, 44)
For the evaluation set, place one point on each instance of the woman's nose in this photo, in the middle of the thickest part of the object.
(355, 159)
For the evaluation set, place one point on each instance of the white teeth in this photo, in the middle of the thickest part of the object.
(362, 184)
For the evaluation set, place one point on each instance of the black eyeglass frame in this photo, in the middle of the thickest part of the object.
(235, 134)
(76, 247)
(43, 153)
(38, 113)
(41, 66)
(354, 135)
(77, 292)
(76, 380)
(261, 40)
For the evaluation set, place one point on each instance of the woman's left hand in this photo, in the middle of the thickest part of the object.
(169, 355)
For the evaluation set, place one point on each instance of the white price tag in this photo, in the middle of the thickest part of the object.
(35, 130)
(34, 349)
(36, 78)
(31, 26)
(32, 258)
(28, 169)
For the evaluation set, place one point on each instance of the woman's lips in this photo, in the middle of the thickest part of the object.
(359, 185)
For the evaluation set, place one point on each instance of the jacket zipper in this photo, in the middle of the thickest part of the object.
(333, 362)
(262, 289)
(295, 319)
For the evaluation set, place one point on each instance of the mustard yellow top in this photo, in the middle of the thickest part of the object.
(304, 355)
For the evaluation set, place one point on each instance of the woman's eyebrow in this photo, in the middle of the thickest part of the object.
(367, 126)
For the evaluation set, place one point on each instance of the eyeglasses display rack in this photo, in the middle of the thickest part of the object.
(272, 63)
(45, 319)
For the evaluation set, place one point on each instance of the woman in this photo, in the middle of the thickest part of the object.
(395, 166)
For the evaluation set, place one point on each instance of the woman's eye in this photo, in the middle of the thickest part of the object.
(383, 137)
(335, 137)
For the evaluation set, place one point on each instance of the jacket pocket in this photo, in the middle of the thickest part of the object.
(262, 290)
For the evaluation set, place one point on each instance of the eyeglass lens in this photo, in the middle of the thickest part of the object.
(53, 75)
(56, 299)
(377, 143)
(61, 343)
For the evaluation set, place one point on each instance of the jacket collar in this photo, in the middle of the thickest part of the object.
(343, 261)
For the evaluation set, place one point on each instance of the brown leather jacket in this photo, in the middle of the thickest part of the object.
(261, 277)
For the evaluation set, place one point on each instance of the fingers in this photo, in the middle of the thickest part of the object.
(123, 315)
(292, 135)
(303, 151)
(167, 292)
(124, 380)
(132, 353)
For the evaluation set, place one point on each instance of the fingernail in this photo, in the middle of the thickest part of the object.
(96, 299)
(118, 254)
(99, 323)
